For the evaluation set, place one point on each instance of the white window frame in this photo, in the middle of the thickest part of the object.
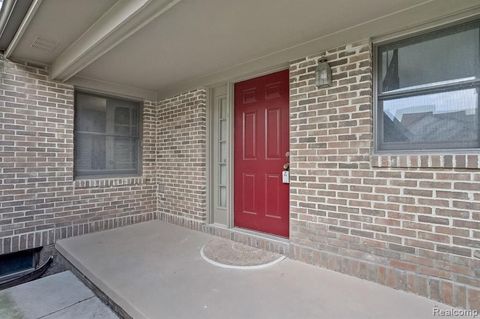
(377, 128)
(111, 173)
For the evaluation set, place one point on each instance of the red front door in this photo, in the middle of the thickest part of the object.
(261, 200)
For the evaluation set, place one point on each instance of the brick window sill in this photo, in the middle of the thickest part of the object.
(456, 161)
(112, 182)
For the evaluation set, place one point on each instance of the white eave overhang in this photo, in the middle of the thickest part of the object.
(121, 21)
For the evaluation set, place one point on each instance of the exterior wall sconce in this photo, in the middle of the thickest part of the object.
(323, 74)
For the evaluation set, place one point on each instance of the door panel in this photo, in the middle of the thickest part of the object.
(273, 146)
(261, 200)
(249, 136)
(248, 192)
(272, 183)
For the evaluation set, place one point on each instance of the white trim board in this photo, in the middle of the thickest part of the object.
(120, 90)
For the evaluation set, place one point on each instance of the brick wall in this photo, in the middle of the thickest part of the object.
(39, 200)
(181, 155)
(409, 222)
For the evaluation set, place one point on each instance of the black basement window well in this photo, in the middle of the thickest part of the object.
(15, 264)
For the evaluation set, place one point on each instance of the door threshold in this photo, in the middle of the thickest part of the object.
(261, 235)
(269, 242)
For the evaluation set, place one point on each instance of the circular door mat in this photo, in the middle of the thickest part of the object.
(229, 254)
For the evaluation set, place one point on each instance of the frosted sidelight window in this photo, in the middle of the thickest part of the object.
(222, 152)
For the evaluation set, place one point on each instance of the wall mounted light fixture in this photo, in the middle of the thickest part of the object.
(323, 74)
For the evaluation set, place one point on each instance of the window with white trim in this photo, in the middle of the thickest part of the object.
(428, 91)
(107, 136)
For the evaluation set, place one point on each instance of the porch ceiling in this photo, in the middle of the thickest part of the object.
(198, 38)
(196, 43)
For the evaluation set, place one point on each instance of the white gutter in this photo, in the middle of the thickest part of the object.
(6, 13)
(23, 27)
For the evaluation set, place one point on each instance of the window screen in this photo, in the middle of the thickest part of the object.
(107, 136)
(428, 91)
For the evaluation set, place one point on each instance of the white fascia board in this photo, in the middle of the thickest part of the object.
(122, 20)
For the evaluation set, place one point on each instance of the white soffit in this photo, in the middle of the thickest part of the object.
(57, 24)
(157, 48)
(202, 42)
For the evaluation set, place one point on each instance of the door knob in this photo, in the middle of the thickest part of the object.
(286, 166)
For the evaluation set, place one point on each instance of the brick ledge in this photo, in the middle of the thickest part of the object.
(47, 237)
(448, 292)
(110, 182)
(460, 161)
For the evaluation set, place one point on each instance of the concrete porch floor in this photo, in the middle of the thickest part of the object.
(154, 270)
(60, 296)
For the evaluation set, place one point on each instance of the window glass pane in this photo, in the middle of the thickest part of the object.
(90, 113)
(223, 108)
(90, 152)
(436, 119)
(223, 130)
(223, 174)
(222, 198)
(135, 121)
(122, 115)
(122, 129)
(223, 152)
(125, 153)
(440, 58)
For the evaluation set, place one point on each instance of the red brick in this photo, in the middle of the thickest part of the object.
(446, 292)
(459, 296)
(473, 296)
